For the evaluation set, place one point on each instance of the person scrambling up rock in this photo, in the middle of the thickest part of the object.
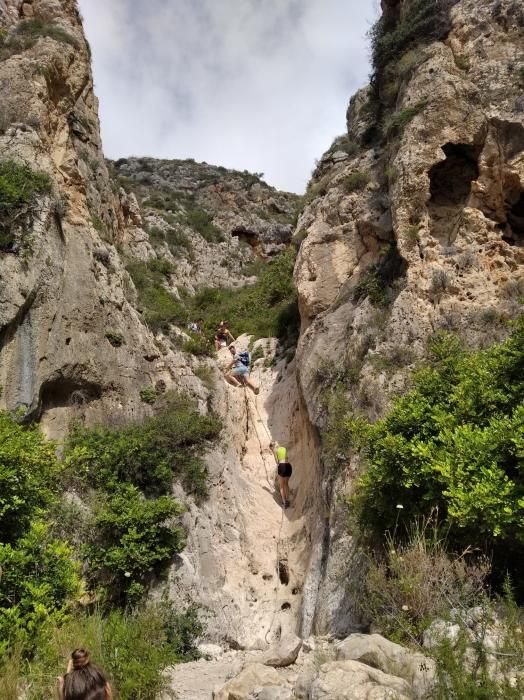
(237, 372)
(223, 336)
(284, 471)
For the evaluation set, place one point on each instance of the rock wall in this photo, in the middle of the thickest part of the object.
(414, 232)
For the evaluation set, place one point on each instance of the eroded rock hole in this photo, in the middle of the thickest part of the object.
(514, 234)
(450, 188)
(285, 606)
(67, 391)
(283, 572)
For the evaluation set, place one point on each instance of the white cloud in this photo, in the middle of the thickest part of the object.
(261, 85)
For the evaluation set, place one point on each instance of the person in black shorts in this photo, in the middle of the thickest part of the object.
(284, 471)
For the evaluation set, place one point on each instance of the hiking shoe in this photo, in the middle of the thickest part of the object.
(286, 504)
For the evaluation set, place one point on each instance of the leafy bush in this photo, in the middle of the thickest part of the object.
(39, 579)
(148, 455)
(202, 222)
(116, 339)
(198, 345)
(356, 181)
(148, 395)
(19, 186)
(132, 647)
(133, 538)
(158, 305)
(28, 476)
(456, 443)
(273, 296)
(206, 376)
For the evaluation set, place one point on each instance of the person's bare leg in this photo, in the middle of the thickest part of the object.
(281, 486)
(250, 384)
(232, 380)
(286, 488)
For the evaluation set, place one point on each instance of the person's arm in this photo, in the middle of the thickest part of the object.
(109, 692)
(230, 335)
(274, 447)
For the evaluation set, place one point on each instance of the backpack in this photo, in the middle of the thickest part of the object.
(245, 358)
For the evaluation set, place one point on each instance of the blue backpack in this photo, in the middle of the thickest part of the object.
(245, 358)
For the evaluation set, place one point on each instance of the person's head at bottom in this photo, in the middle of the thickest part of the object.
(84, 680)
(232, 349)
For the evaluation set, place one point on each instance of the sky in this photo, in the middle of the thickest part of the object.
(261, 85)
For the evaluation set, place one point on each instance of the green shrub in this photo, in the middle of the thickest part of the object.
(456, 443)
(149, 455)
(462, 62)
(198, 345)
(420, 22)
(356, 181)
(202, 223)
(132, 647)
(395, 124)
(116, 339)
(133, 538)
(161, 265)
(148, 395)
(38, 582)
(19, 186)
(29, 474)
(159, 307)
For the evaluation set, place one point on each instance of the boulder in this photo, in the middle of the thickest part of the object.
(284, 652)
(253, 677)
(273, 692)
(352, 680)
(374, 650)
(210, 651)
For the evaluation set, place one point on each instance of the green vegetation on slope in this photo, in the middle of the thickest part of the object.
(113, 542)
(18, 187)
(265, 309)
(453, 445)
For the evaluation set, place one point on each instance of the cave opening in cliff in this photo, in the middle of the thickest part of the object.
(514, 234)
(283, 572)
(450, 187)
(61, 391)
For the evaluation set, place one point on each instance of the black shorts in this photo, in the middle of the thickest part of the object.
(285, 469)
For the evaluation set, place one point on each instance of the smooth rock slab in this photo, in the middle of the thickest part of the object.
(284, 652)
(253, 677)
(351, 680)
(273, 692)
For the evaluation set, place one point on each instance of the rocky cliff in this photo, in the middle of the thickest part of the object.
(414, 223)
(65, 292)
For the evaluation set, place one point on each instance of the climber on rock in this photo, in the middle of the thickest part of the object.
(237, 372)
(284, 471)
(223, 336)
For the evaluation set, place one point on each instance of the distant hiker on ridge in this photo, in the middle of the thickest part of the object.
(284, 471)
(237, 372)
(223, 336)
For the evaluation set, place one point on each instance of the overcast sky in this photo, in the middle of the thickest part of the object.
(255, 84)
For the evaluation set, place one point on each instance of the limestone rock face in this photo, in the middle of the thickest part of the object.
(62, 285)
(411, 233)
